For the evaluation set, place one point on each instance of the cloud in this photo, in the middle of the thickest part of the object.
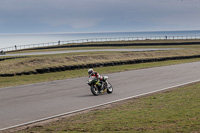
(83, 23)
(76, 23)
(50, 12)
(98, 14)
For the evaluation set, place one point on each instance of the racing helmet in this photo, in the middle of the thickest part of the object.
(90, 71)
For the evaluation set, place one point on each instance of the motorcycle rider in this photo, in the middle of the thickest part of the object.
(91, 72)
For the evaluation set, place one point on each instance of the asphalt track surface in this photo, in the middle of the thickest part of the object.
(29, 103)
(92, 50)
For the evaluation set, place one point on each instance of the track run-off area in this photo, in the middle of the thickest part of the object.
(91, 50)
(32, 103)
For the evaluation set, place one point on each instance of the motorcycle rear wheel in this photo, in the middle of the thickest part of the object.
(94, 89)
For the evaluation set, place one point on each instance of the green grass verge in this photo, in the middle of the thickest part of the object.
(31, 63)
(48, 77)
(173, 111)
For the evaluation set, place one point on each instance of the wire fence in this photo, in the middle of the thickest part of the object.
(20, 47)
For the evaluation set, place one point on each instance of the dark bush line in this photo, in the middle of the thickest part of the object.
(2, 59)
(107, 45)
(106, 64)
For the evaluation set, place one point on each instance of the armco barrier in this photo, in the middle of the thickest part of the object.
(106, 64)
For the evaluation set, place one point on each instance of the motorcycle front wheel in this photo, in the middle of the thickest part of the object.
(94, 89)
(109, 88)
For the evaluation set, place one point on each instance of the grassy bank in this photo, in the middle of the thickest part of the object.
(173, 111)
(30, 63)
(48, 77)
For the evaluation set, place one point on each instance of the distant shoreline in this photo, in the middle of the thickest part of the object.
(12, 39)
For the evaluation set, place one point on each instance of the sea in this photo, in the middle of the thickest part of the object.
(11, 40)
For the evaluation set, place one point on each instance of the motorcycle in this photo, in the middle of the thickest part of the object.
(97, 87)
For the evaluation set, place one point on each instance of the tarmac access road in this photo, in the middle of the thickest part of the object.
(92, 50)
(31, 103)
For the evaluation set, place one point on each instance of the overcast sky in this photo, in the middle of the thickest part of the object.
(36, 16)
